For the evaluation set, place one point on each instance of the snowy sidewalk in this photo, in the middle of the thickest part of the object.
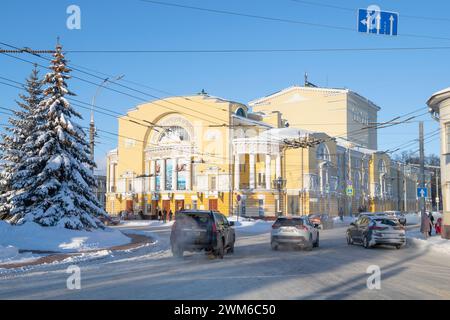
(434, 242)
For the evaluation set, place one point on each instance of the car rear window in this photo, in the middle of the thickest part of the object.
(202, 220)
(289, 222)
(387, 222)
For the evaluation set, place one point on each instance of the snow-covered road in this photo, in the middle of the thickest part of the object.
(334, 271)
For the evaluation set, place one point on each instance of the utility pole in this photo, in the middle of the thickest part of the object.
(405, 199)
(350, 180)
(437, 190)
(422, 172)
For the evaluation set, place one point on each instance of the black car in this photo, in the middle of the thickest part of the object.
(196, 230)
(374, 229)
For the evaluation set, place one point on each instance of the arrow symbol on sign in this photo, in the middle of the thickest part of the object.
(369, 22)
(391, 19)
(378, 19)
(422, 193)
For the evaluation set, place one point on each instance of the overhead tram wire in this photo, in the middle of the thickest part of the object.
(130, 95)
(326, 5)
(117, 84)
(280, 140)
(274, 19)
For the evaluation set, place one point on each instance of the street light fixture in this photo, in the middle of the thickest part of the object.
(279, 184)
(92, 124)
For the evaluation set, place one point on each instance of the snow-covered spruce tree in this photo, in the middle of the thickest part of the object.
(23, 125)
(55, 182)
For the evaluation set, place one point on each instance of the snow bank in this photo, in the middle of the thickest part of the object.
(251, 225)
(435, 242)
(10, 254)
(32, 236)
(412, 218)
(337, 222)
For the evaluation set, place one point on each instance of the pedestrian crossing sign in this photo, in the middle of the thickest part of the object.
(349, 191)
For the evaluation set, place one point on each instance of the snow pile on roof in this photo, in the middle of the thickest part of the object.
(251, 225)
(32, 236)
(434, 243)
(10, 254)
(345, 143)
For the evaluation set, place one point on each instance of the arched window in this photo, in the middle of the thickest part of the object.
(382, 171)
(241, 113)
(174, 134)
(322, 153)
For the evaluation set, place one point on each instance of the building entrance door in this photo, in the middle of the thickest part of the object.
(166, 205)
(129, 205)
(213, 204)
(179, 205)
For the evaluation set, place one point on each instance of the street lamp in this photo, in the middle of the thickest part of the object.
(279, 185)
(92, 124)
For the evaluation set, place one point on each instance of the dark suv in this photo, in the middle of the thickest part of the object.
(196, 230)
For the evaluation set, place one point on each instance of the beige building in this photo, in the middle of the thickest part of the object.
(204, 152)
(337, 112)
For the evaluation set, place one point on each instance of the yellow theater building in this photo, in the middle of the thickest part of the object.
(263, 159)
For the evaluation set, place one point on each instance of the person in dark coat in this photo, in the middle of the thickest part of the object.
(159, 215)
(170, 215)
(430, 215)
(141, 215)
(164, 215)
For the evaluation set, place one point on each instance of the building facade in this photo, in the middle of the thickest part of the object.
(439, 105)
(204, 152)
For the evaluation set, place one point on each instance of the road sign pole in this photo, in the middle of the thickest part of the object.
(422, 174)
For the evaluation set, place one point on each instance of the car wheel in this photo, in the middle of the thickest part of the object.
(231, 248)
(316, 243)
(366, 242)
(349, 239)
(220, 250)
(398, 246)
(310, 245)
(274, 245)
(177, 251)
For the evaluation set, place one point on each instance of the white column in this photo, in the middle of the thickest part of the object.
(174, 173)
(278, 166)
(268, 178)
(111, 177)
(162, 175)
(236, 172)
(252, 170)
(188, 173)
(152, 175)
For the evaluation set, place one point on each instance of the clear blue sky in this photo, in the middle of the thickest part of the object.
(398, 81)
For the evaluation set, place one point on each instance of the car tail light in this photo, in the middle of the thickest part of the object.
(378, 228)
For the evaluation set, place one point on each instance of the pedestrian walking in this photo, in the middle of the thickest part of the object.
(159, 215)
(141, 214)
(425, 225)
(164, 215)
(430, 216)
(170, 215)
(438, 226)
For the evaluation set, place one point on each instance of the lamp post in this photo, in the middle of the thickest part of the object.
(92, 124)
(279, 184)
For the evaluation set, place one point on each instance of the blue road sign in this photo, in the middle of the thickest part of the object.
(422, 192)
(373, 20)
